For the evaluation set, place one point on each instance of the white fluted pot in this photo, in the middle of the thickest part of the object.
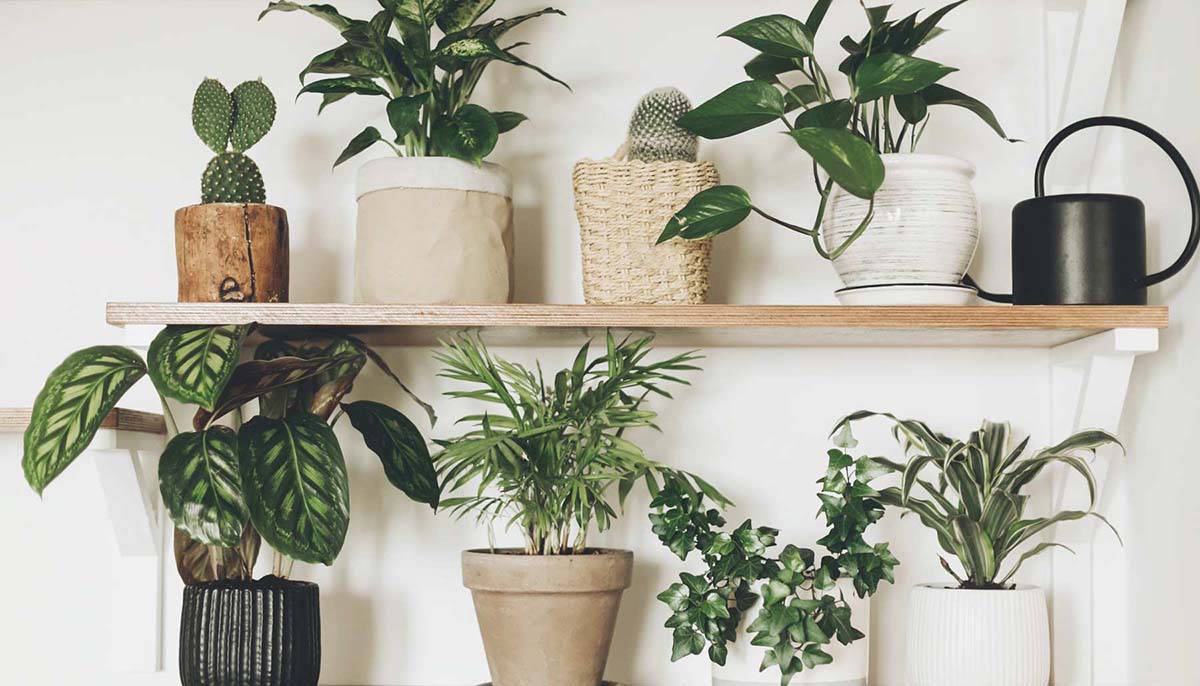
(925, 230)
(982, 638)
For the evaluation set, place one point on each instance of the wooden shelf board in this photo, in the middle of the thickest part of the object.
(689, 325)
(16, 419)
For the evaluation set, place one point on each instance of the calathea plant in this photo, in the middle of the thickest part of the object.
(550, 459)
(886, 110)
(972, 493)
(802, 608)
(427, 81)
(229, 124)
(280, 475)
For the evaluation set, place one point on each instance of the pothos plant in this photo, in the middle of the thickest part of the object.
(972, 493)
(551, 458)
(279, 477)
(427, 81)
(886, 110)
(803, 610)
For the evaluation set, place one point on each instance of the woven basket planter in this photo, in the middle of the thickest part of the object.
(623, 207)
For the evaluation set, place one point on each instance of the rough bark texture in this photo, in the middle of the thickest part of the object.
(232, 253)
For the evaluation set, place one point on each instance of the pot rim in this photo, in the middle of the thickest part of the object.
(942, 586)
(263, 583)
(520, 554)
(607, 571)
(432, 173)
(926, 161)
(233, 204)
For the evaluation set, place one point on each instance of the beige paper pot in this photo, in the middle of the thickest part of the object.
(230, 252)
(547, 620)
(433, 230)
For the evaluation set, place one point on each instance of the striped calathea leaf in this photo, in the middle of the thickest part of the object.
(78, 395)
(295, 485)
(400, 447)
(201, 486)
(192, 364)
(971, 493)
(339, 363)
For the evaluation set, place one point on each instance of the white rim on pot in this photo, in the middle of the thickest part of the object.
(433, 173)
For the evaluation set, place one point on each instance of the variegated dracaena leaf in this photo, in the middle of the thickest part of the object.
(401, 448)
(202, 487)
(296, 486)
(192, 364)
(78, 395)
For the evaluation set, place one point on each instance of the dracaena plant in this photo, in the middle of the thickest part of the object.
(426, 80)
(885, 109)
(279, 477)
(802, 609)
(972, 493)
(551, 458)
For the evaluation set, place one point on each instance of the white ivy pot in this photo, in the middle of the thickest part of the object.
(433, 230)
(982, 638)
(924, 234)
(850, 667)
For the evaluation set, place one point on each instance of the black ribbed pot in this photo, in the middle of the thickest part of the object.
(250, 633)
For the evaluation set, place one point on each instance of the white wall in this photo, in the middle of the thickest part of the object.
(99, 152)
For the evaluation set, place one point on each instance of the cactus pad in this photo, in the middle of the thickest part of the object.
(212, 115)
(232, 177)
(653, 134)
(253, 114)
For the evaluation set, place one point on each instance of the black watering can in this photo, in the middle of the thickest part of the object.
(1088, 248)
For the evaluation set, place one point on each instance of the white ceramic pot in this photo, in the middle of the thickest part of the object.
(850, 665)
(433, 230)
(925, 230)
(982, 638)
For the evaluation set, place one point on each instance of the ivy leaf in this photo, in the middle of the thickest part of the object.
(675, 597)
(686, 642)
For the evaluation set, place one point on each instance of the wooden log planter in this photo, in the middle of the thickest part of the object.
(229, 252)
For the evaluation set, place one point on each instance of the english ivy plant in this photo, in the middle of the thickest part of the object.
(974, 497)
(802, 609)
(427, 81)
(279, 476)
(890, 97)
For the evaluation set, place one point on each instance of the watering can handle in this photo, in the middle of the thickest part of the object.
(1189, 179)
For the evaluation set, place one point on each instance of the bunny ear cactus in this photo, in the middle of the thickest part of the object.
(653, 134)
(229, 124)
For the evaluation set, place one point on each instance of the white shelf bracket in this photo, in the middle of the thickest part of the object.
(125, 464)
(1089, 382)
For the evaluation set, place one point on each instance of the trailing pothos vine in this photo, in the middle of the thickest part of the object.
(804, 607)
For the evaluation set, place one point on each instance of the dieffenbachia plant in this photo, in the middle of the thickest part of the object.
(971, 493)
(280, 475)
(427, 82)
(802, 608)
(886, 110)
(551, 457)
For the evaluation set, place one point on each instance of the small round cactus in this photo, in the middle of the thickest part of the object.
(229, 124)
(653, 134)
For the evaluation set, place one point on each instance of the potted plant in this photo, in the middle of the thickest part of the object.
(232, 247)
(972, 494)
(622, 203)
(280, 477)
(920, 210)
(435, 220)
(805, 621)
(548, 462)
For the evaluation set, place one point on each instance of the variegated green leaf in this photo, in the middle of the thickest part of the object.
(258, 378)
(400, 447)
(294, 479)
(459, 14)
(979, 556)
(326, 12)
(202, 488)
(78, 395)
(1032, 553)
(192, 364)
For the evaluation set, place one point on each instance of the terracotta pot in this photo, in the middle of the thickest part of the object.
(547, 619)
(433, 230)
(228, 252)
(250, 633)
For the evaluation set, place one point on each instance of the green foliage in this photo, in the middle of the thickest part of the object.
(802, 609)
(654, 135)
(427, 80)
(892, 94)
(974, 492)
(549, 458)
(229, 124)
(281, 475)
